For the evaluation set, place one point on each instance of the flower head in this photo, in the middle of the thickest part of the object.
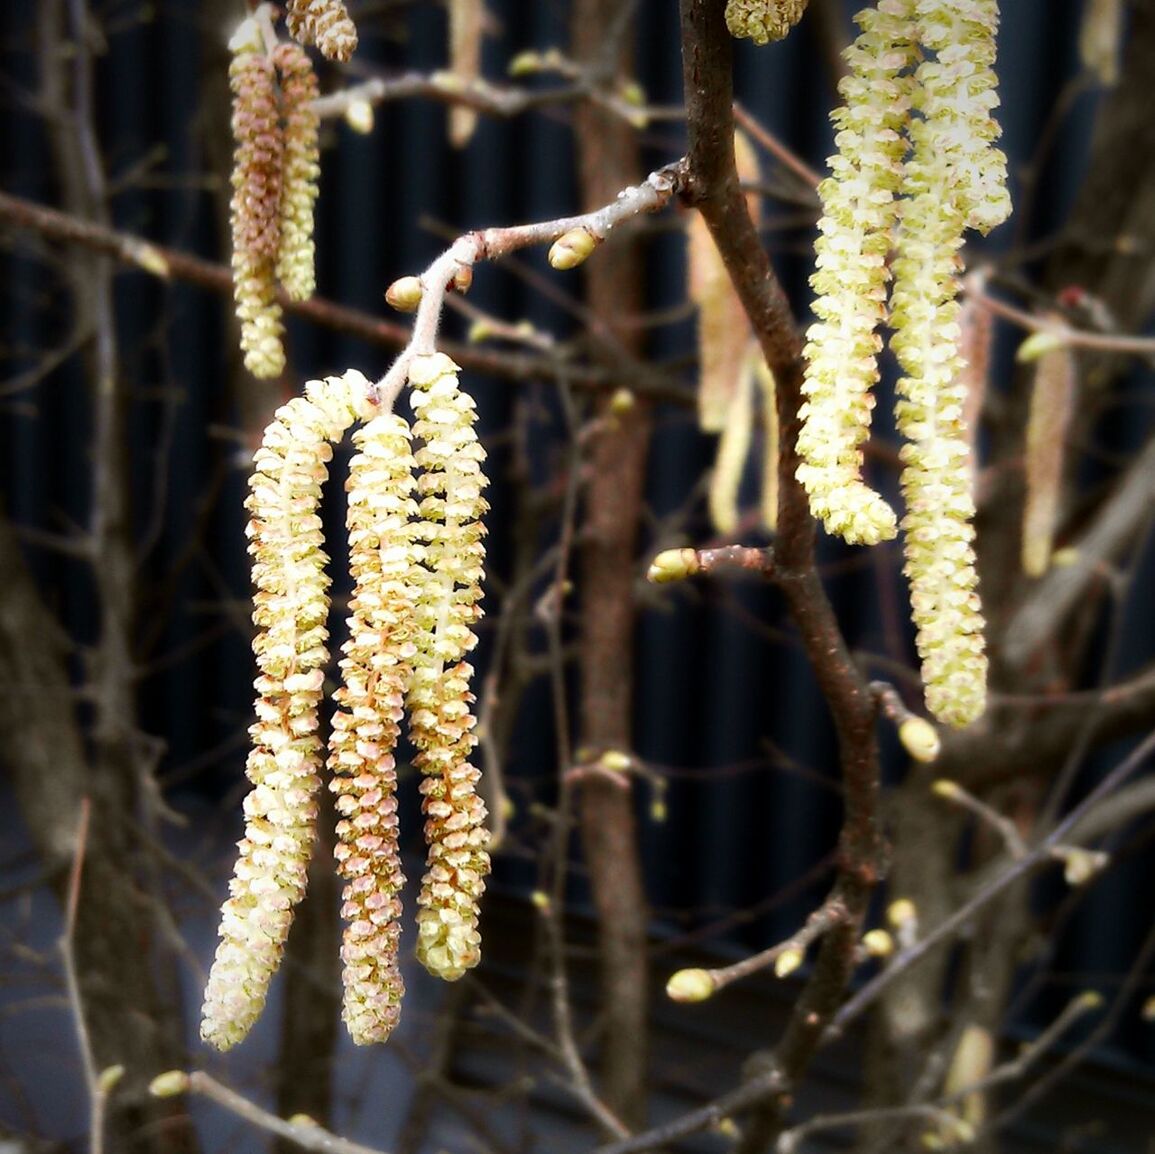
(763, 20)
(256, 205)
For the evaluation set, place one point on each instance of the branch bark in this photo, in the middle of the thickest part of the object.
(714, 189)
(608, 161)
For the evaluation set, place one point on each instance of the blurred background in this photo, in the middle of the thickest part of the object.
(131, 618)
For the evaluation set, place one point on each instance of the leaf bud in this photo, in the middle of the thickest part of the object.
(622, 401)
(571, 248)
(462, 279)
(901, 912)
(404, 294)
(359, 117)
(787, 962)
(109, 1077)
(919, 738)
(878, 943)
(673, 565)
(690, 986)
(169, 1084)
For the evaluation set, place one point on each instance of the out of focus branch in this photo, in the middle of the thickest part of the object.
(171, 264)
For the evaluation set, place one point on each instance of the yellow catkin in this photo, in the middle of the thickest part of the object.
(302, 170)
(856, 232)
(290, 608)
(763, 20)
(954, 177)
(325, 23)
(466, 22)
(733, 450)
(376, 669)
(255, 214)
(441, 720)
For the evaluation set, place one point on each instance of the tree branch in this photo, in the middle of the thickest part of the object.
(171, 264)
(714, 189)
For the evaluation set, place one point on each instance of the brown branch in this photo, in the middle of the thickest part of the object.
(608, 160)
(714, 189)
(1039, 854)
(171, 264)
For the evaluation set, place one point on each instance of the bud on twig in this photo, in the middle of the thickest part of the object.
(571, 248)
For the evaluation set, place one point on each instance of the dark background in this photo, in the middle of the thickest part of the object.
(728, 714)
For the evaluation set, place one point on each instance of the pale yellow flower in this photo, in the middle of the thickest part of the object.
(325, 23)
(302, 169)
(856, 231)
(441, 721)
(291, 606)
(377, 669)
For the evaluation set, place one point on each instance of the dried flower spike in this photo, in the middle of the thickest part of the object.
(302, 169)
(291, 606)
(723, 326)
(466, 22)
(1048, 424)
(859, 212)
(326, 24)
(377, 668)
(441, 722)
(256, 205)
(763, 20)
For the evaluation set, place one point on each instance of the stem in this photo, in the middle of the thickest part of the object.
(715, 191)
(608, 160)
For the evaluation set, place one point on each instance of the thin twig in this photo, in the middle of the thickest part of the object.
(785, 954)
(307, 1135)
(172, 264)
(458, 260)
(97, 1091)
(1038, 855)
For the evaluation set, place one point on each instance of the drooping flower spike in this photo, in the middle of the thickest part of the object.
(302, 170)
(291, 606)
(441, 720)
(856, 232)
(954, 178)
(325, 23)
(376, 669)
(256, 201)
(763, 20)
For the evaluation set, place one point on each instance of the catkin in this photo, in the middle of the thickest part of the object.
(302, 170)
(256, 206)
(763, 20)
(856, 231)
(441, 720)
(325, 23)
(377, 669)
(954, 178)
(290, 609)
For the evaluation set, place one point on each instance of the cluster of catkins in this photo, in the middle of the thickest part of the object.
(416, 554)
(916, 166)
(275, 171)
